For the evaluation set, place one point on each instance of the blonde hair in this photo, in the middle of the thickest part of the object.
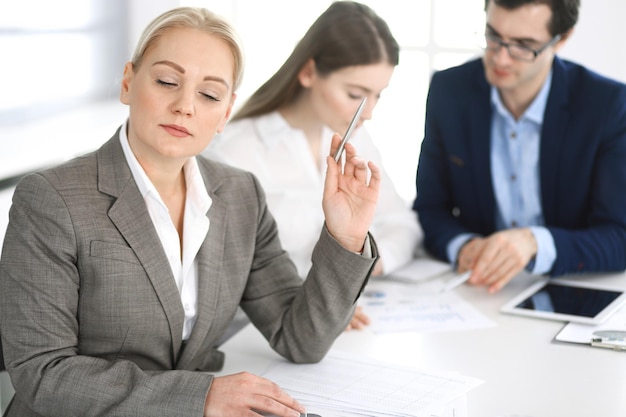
(192, 18)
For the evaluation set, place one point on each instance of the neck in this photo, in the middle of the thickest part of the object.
(165, 173)
(519, 99)
(301, 115)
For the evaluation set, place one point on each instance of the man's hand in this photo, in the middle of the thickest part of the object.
(496, 259)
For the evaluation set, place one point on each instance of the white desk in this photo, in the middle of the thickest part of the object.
(525, 373)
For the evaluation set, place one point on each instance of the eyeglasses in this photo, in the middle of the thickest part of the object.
(515, 50)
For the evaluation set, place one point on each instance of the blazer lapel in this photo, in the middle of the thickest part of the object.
(130, 216)
(553, 139)
(480, 147)
(210, 258)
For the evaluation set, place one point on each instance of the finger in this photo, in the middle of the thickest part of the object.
(375, 176)
(464, 262)
(360, 170)
(334, 144)
(498, 269)
(276, 401)
(333, 169)
(356, 324)
(243, 393)
(331, 182)
(493, 271)
(360, 318)
(483, 260)
(506, 278)
(353, 162)
(359, 312)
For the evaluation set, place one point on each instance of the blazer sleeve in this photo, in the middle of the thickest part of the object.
(584, 194)
(40, 287)
(302, 320)
(451, 195)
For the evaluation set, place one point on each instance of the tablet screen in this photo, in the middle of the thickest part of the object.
(574, 301)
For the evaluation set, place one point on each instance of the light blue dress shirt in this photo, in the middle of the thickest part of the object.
(515, 148)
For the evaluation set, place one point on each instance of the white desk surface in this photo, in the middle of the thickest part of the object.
(526, 374)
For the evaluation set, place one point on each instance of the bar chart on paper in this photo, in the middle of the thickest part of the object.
(401, 307)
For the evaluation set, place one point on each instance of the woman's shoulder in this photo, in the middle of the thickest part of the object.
(252, 126)
(244, 138)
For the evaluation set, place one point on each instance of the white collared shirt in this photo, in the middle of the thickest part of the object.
(195, 228)
(280, 157)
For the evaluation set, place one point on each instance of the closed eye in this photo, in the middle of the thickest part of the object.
(210, 97)
(165, 83)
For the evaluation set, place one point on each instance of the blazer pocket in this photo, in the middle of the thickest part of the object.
(213, 361)
(109, 250)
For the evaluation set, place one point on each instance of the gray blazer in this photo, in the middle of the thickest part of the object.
(91, 316)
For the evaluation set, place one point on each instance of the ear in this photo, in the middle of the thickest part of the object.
(307, 73)
(126, 83)
(564, 38)
(221, 126)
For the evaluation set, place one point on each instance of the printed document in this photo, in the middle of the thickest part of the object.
(400, 307)
(343, 384)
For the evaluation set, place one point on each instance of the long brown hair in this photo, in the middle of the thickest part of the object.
(346, 34)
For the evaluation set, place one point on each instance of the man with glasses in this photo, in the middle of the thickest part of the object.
(523, 163)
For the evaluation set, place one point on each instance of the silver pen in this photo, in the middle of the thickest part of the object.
(351, 127)
(456, 281)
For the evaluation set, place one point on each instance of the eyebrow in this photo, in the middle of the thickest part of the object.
(359, 87)
(180, 69)
(519, 40)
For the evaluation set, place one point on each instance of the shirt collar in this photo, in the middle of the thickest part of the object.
(274, 129)
(535, 111)
(196, 190)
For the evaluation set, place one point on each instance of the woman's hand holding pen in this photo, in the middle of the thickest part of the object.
(350, 197)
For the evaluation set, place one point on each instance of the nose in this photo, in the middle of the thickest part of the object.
(183, 103)
(366, 114)
(501, 55)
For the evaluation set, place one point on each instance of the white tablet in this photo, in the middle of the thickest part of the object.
(558, 299)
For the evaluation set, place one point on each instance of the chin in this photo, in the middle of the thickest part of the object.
(498, 81)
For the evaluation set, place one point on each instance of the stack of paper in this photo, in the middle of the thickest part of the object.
(400, 307)
(342, 386)
(587, 334)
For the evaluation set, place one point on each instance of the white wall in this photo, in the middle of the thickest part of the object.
(598, 39)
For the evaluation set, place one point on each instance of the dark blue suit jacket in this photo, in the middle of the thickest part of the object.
(582, 165)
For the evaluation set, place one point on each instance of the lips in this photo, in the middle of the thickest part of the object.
(176, 130)
(500, 72)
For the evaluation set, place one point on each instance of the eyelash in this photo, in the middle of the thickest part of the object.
(165, 83)
(172, 85)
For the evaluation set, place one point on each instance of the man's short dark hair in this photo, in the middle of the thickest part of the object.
(564, 12)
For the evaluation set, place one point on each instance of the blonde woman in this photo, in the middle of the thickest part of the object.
(121, 269)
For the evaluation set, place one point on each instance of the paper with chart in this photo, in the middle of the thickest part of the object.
(400, 307)
(343, 384)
